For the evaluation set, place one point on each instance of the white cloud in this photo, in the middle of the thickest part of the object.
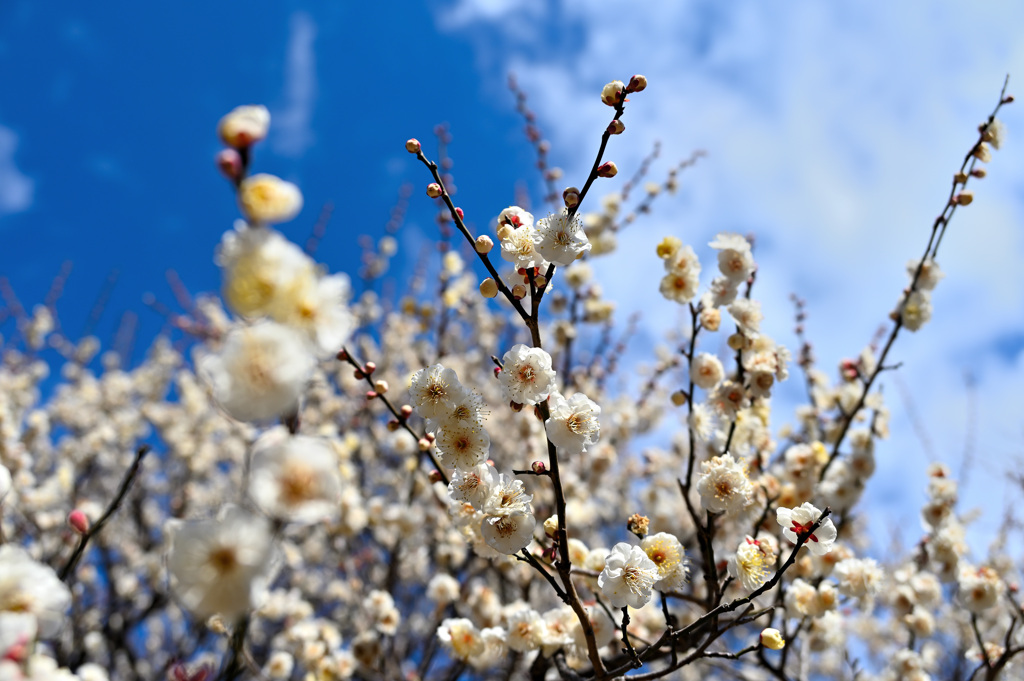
(16, 188)
(833, 132)
(292, 131)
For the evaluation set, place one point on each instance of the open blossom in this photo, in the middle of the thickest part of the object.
(243, 126)
(525, 630)
(434, 392)
(858, 577)
(574, 423)
(669, 556)
(735, 260)
(980, 588)
(930, 275)
(628, 577)
(749, 565)
(519, 247)
(748, 316)
(508, 534)
(463, 445)
(461, 638)
(560, 240)
(680, 285)
(473, 485)
(266, 199)
(260, 371)
(317, 306)
(724, 485)
(295, 477)
(220, 566)
(799, 520)
(706, 371)
(527, 376)
(258, 263)
(916, 310)
(32, 588)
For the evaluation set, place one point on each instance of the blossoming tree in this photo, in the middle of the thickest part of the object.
(324, 485)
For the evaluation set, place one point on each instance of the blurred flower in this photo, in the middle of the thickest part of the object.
(269, 199)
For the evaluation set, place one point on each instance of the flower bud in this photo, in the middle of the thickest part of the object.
(608, 169)
(371, 394)
(435, 476)
(772, 638)
(433, 190)
(515, 406)
(488, 288)
(539, 468)
(571, 196)
(412, 146)
(540, 281)
(381, 386)
(424, 444)
(960, 178)
(679, 398)
(458, 211)
(483, 244)
(737, 341)
(637, 83)
(504, 231)
(342, 356)
(518, 291)
(551, 526)
(369, 368)
(406, 411)
(244, 126)
(613, 93)
(979, 173)
(964, 198)
(616, 127)
(229, 163)
(78, 521)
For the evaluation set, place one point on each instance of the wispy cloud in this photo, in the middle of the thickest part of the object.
(833, 133)
(292, 121)
(16, 188)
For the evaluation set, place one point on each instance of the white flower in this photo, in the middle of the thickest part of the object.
(466, 409)
(508, 534)
(518, 246)
(220, 566)
(724, 485)
(525, 629)
(858, 577)
(628, 576)
(721, 292)
(33, 588)
(317, 306)
(574, 422)
(560, 240)
(461, 638)
(680, 285)
(5, 482)
(296, 477)
(930, 276)
(748, 316)
(748, 565)
(735, 261)
(515, 217)
(980, 588)
(701, 421)
(728, 399)
(244, 126)
(508, 497)
(260, 371)
(463, 445)
(258, 263)
(268, 199)
(434, 392)
(916, 310)
(799, 520)
(473, 485)
(706, 371)
(669, 556)
(527, 376)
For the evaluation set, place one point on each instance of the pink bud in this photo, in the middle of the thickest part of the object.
(78, 520)
(413, 146)
(406, 411)
(608, 169)
(370, 394)
(435, 476)
(342, 356)
(369, 368)
(458, 211)
(433, 190)
(616, 127)
(637, 83)
(539, 468)
(229, 162)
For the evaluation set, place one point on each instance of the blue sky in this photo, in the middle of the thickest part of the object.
(832, 132)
